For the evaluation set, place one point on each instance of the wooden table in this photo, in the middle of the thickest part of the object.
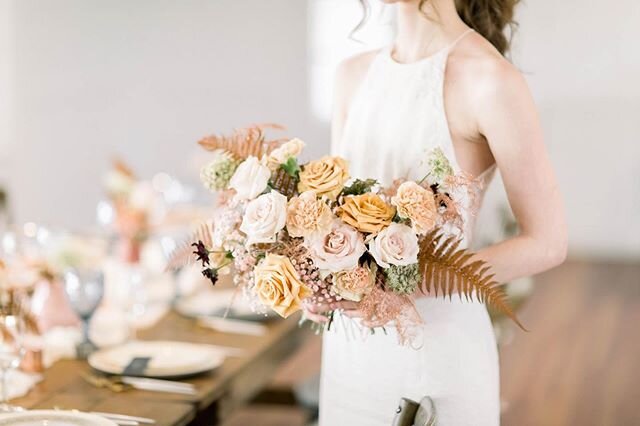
(219, 392)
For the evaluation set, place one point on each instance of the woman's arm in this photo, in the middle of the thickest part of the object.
(512, 128)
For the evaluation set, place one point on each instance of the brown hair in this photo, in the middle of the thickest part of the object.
(490, 18)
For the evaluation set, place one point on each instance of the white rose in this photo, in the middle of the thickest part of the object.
(280, 155)
(395, 245)
(338, 249)
(250, 179)
(264, 217)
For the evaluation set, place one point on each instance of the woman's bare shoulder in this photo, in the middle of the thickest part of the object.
(481, 69)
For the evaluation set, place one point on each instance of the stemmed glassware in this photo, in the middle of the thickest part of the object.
(84, 289)
(12, 351)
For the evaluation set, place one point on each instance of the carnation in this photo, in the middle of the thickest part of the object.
(417, 204)
(402, 279)
(354, 284)
(216, 174)
(307, 215)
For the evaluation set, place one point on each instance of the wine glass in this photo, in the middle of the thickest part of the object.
(12, 328)
(84, 289)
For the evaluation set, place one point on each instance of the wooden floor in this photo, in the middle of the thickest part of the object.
(580, 363)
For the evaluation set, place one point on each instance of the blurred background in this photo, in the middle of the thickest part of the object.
(85, 81)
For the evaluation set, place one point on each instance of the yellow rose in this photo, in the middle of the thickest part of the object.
(417, 204)
(367, 213)
(325, 176)
(279, 286)
(307, 215)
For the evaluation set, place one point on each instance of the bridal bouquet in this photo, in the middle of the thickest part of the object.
(303, 235)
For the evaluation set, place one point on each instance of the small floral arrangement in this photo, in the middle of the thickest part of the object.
(134, 202)
(299, 236)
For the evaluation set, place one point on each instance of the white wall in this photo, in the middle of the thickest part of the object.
(583, 63)
(145, 79)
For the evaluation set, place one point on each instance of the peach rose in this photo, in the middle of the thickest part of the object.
(367, 213)
(354, 284)
(395, 245)
(325, 176)
(338, 249)
(278, 285)
(307, 215)
(416, 204)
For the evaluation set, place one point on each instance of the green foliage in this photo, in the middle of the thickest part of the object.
(359, 187)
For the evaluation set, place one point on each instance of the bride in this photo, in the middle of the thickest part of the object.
(443, 83)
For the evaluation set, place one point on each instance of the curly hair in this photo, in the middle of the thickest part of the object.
(489, 18)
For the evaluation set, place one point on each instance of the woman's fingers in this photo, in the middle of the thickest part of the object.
(318, 318)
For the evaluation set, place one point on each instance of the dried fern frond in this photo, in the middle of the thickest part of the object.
(284, 183)
(183, 254)
(122, 167)
(447, 270)
(243, 143)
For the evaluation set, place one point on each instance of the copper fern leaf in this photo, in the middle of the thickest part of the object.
(242, 143)
(447, 269)
(183, 254)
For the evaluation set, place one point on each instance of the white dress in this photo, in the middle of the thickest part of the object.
(397, 116)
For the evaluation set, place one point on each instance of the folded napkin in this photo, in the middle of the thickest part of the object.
(20, 383)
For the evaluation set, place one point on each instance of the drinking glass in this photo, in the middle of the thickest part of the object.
(12, 329)
(84, 289)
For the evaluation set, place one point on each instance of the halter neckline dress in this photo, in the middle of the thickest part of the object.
(395, 118)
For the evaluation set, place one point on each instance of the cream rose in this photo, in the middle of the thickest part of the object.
(354, 284)
(278, 285)
(264, 217)
(338, 249)
(417, 204)
(367, 213)
(307, 215)
(395, 245)
(325, 176)
(250, 179)
(280, 155)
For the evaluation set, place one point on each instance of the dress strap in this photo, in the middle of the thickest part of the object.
(460, 37)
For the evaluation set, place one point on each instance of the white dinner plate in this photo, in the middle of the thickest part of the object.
(215, 303)
(168, 359)
(53, 418)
